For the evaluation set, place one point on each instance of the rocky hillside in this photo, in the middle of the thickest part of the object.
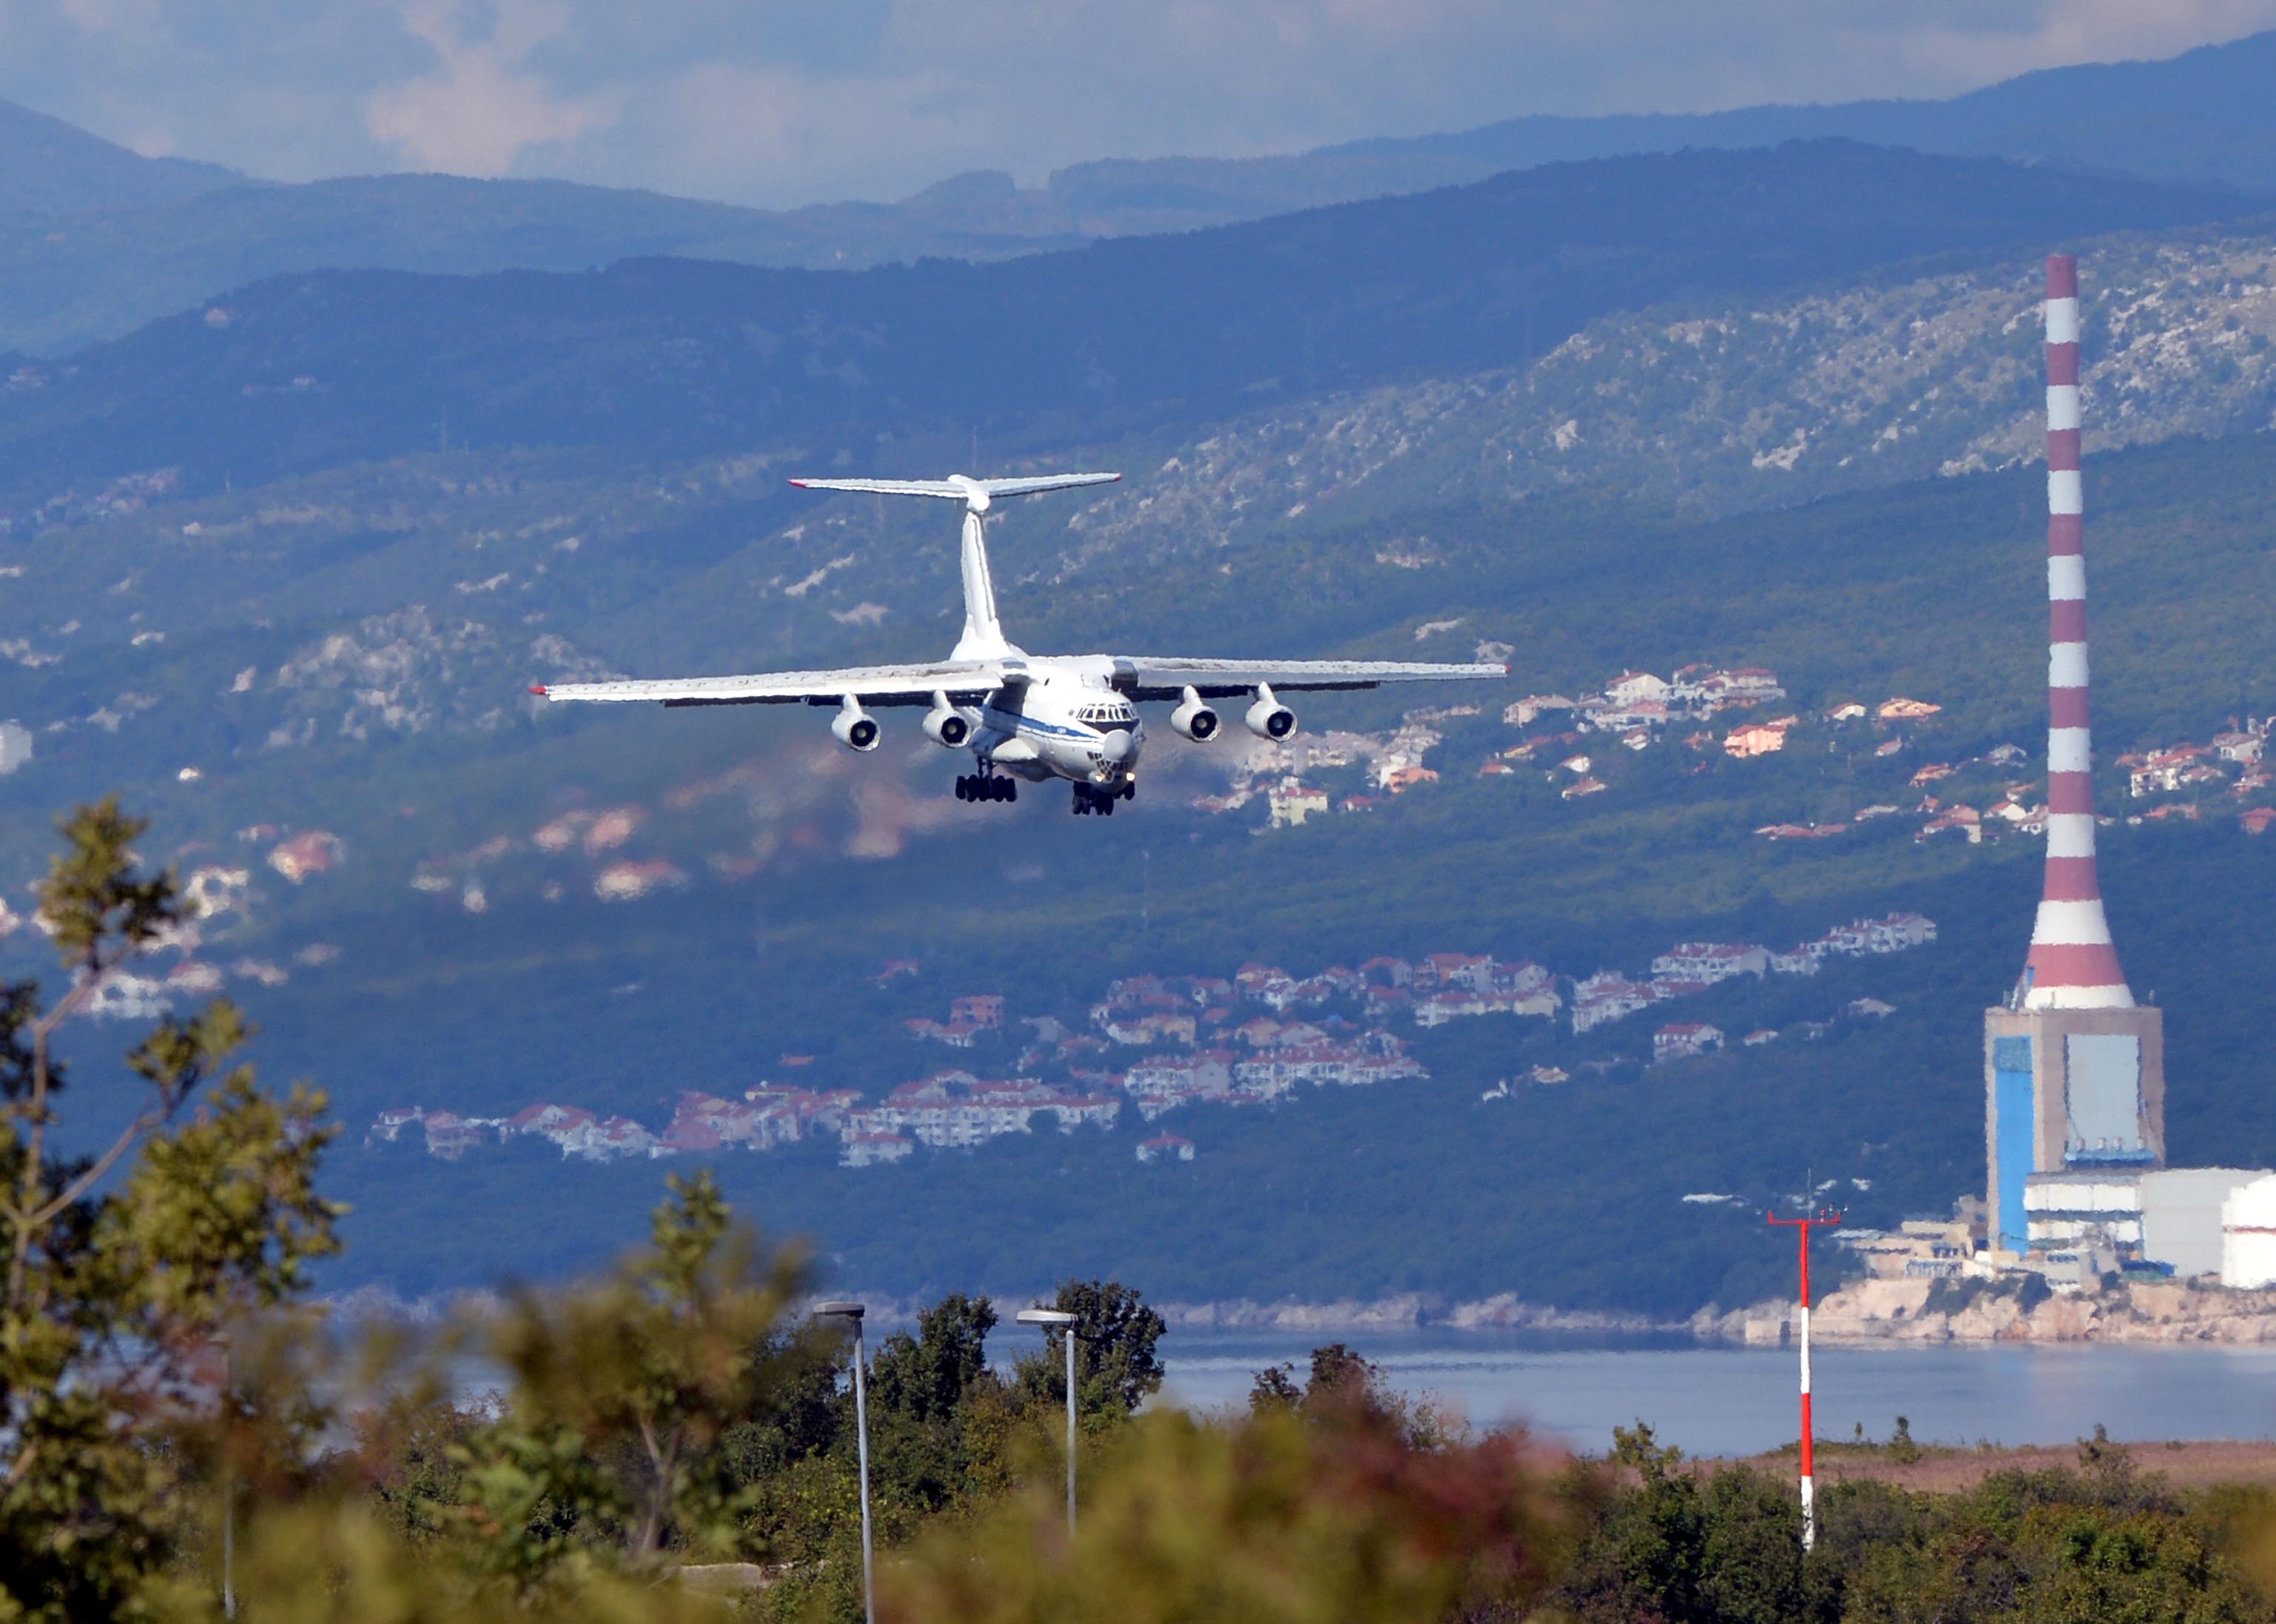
(1749, 404)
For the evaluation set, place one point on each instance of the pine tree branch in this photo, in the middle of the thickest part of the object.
(102, 1164)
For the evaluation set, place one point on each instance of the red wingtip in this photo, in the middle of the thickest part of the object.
(537, 688)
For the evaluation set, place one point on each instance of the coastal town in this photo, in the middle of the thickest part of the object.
(1635, 712)
(1154, 1044)
(1571, 741)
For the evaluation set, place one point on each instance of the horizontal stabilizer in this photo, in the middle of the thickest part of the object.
(976, 494)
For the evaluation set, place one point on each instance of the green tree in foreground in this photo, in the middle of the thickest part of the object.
(125, 1264)
(1116, 1367)
(622, 1394)
(1343, 1382)
(1266, 1519)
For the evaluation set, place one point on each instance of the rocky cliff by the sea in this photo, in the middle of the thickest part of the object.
(1918, 1311)
(1915, 1312)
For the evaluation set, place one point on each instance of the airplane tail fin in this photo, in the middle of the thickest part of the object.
(984, 635)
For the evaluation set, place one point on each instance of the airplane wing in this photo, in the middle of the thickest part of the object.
(1145, 677)
(964, 681)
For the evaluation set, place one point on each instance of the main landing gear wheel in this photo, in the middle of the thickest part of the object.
(977, 786)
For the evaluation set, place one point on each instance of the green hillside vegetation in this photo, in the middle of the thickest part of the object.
(619, 1008)
(1931, 590)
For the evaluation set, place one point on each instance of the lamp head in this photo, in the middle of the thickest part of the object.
(1044, 1316)
(840, 1310)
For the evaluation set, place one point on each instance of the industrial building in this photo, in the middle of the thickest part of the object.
(2248, 1226)
(2073, 1069)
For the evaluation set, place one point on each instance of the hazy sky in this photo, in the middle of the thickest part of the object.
(770, 102)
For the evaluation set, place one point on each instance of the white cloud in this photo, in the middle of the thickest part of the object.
(481, 110)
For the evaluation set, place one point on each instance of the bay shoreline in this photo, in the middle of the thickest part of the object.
(1860, 1312)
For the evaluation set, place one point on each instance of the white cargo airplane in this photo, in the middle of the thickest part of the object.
(1032, 717)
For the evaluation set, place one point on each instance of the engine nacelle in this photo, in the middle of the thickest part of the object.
(1268, 718)
(945, 725)
(856, 728)
(1194, 720)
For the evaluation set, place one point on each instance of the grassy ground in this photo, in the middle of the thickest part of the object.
(2199, 1463)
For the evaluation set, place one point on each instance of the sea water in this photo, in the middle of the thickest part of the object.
(1719, 1400)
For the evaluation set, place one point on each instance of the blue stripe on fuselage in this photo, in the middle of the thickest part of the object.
(1028, 724)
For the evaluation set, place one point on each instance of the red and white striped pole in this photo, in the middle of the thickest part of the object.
(1802, 1227)
(2074, 964)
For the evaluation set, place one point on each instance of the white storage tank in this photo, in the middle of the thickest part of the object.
(2248, 1236)
(2181, 1215)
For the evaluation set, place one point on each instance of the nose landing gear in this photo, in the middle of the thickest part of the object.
(1089, 799)
(981, 787)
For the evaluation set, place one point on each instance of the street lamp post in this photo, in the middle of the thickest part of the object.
(854, 1312)
(228, 1492)
(1061, 1320)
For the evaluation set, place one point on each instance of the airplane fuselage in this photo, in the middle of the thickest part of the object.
(1067, 721)
(1066, 725)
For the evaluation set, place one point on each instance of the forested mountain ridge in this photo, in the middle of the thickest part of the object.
(670, 357)
(2202, 117)
(101, 274)
(151, 236)
(53, 170)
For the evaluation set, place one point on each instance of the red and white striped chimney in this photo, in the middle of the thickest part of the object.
(2073, 964)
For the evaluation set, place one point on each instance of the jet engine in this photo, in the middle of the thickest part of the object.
(1268, 719)
(1194, 720)
(856, 728)
(945, 725)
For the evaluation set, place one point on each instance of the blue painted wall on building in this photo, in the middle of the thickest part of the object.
(2012, 1133)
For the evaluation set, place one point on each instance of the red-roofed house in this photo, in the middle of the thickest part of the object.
(450, 1135)
(313, 853)
(1755, 739)
(984, 1010)
(549, 1121)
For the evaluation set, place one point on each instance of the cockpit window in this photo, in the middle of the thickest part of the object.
(1116, 717)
